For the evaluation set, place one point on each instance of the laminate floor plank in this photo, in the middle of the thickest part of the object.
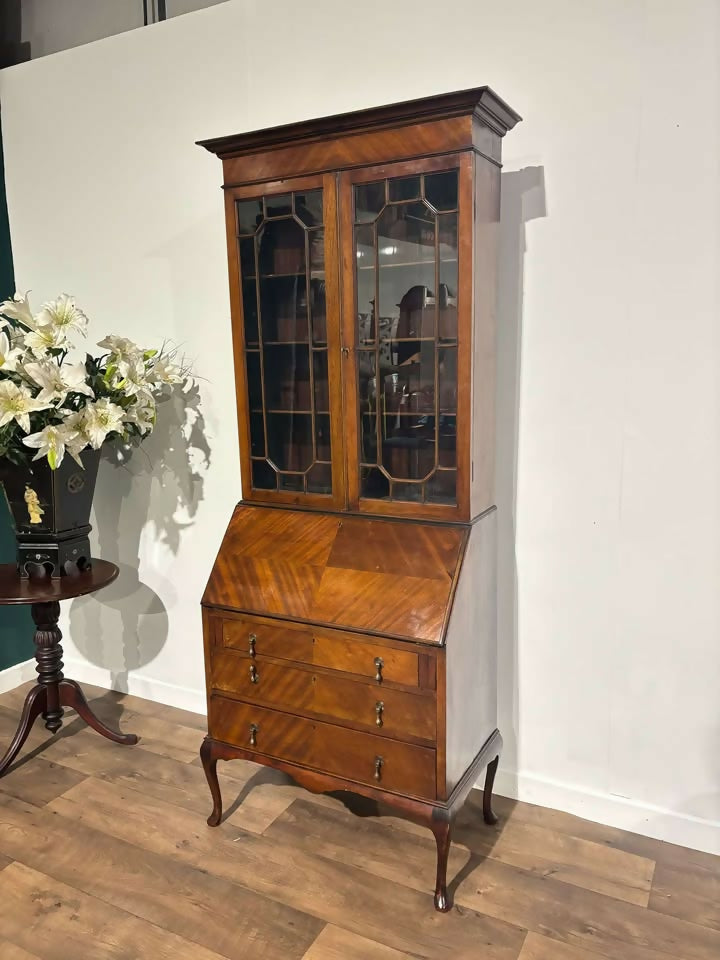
(564, 912)
(537, 947)
(692, 894)
(11, 951)
(4, 862)
(335, 943)
(59, 922)
(39, 780)
(337, 893)
(168, 892)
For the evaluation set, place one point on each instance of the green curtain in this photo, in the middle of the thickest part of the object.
(16, 627)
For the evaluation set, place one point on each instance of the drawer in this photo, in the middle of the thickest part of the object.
(400, 714)
(351, 754)
(323, 648)
(285, 641)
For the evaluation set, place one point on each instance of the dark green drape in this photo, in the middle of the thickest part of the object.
(15, 624)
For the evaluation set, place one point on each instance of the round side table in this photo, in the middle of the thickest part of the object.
(53, 691)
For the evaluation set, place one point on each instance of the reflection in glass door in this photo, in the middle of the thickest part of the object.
(406, 255)
(281, 248)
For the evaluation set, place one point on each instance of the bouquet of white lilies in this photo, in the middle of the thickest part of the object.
(53, 403)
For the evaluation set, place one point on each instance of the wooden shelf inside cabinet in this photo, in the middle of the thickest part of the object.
(349, 619)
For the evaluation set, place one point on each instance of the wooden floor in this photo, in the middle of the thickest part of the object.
(104, 853)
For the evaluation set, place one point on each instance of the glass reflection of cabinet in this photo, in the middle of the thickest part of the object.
(362, 273)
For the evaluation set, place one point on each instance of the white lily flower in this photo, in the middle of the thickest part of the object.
(9, 355)
(142, 413)
(120, 347)
(100, 419)
(17, 403)
(57, 381)
(18, 309)
(131, 376)
(44, 338)
(63, 314)
(51, 442)
(164, 371)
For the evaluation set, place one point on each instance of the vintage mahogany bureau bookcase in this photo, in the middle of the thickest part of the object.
(349, 618)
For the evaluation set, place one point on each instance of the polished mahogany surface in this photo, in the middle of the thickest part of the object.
(13, 589)
(387, 577)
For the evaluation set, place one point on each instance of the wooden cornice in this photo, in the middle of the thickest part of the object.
(480, 102)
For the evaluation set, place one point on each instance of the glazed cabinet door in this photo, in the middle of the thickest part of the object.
(406, 235)
(282, 249)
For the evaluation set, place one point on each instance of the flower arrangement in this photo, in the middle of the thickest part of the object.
(54, 403)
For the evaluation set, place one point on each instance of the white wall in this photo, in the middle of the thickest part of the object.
(609, 457)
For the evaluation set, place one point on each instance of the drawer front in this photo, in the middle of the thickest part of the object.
(351, 754)
(312, 645)
(357, 656)
(286, 642)
(390, 713)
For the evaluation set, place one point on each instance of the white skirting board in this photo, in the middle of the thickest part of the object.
(13, 677)
(643, 818)
(604, 808)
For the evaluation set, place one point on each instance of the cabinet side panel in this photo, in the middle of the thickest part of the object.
(471, 653)
(486, 238)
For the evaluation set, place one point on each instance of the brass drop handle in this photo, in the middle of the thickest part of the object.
(252, 640)
(378, 767)
(379, 664)
(254, 675)
(254, 727)
(379, 707)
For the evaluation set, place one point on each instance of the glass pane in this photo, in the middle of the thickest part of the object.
(278, 206)
(441, 189)
(369, 200)
(365, 273)
(290, 440)
(249, 215)
(367, 384)
(288, 388)
(373, 483)
(448, 274)
(247, 257)
(282, 248)
(250, 315)
(408, 491)
(404, 188)
(287, 377)
(317, 311)
(284, 309)
(309, 207)
(441, 487)
(257, 435)
(263, 475)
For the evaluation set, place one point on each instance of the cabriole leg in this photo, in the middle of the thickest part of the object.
(442, 830)
(488, 814)
(209, 762)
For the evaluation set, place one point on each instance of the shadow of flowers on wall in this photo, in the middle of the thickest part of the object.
(147, 497)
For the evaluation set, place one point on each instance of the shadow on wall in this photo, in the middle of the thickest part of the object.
(522, 200)
(148, 494)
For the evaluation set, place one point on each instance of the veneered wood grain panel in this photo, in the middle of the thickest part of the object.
(400, 666)
(406, 768)
(405, 716)
(338, 153)
(283, 640)
(390, 578)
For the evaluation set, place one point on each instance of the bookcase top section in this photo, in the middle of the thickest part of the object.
(481, 102)
(390, 578)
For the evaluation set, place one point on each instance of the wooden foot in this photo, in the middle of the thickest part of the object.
(488, 814)
(209, 760)
(71, 695)
(32, 708)
(442, 830)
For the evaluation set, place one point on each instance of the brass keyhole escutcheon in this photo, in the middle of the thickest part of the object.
(379, 664)
(254, 675)
(254, 727)
(379, 707)
(378, 767)
(252, 640)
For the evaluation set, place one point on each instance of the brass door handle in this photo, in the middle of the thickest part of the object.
(379, 707)
(254, 727)
(379, 664)
(378, 767)
(254, 675)
(252, 640)
(345, 352)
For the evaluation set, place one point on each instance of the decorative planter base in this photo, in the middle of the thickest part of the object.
(51, 510)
